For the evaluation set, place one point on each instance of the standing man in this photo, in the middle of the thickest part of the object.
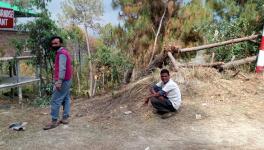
(61, 88)
(165, 96)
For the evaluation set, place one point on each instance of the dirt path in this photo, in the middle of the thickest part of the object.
(229, 120)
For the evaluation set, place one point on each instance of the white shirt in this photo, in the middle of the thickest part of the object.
(173, 92)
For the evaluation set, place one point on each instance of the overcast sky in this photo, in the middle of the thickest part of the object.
(110, 15)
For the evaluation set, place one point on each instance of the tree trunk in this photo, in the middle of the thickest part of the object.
(94, 88)
(236, 63)
(232, 41)
(90, 63)
(80, 58)
(214, 65)
(157, 34)
(77, 70)
(157, 62)
(135, 74)
(128, 75)
(173, 61)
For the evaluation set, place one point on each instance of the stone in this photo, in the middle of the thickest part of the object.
(198, 116)
(147, 148)
(2, 143)
(127, 112)
(65, 126)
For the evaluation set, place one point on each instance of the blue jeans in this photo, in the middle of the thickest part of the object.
(61, 97)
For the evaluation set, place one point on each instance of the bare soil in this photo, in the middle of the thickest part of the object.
(218, 112)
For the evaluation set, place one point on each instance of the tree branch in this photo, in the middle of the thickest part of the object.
(156, 38)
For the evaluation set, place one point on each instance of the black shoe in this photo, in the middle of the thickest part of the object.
(154, 111)
(50, 125)
(167, 115)
(64, 121)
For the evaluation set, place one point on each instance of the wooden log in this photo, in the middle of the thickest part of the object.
(214, 65)
(254, 41)
(173, 61)
(244, 77)
(175, 49)
(232, 41)
(236, 63)
(236, 74)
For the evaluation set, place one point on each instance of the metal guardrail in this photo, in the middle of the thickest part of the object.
(18, 58)
(18, 84)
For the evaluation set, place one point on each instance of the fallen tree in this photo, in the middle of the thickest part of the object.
(174, 62)
(169, 50)
(214, 65)
(221, 65)
(156, 63)
(197, 48)
(236, 63)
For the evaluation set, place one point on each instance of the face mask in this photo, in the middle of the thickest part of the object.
(56, 47)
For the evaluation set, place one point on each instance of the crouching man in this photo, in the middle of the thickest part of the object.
(165, 96)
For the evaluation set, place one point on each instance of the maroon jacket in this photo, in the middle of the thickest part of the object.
(62, 70)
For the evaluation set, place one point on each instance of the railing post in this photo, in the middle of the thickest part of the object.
(18, 80)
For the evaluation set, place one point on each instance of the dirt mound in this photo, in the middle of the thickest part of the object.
(205, 84)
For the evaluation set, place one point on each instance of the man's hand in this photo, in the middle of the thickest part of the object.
(58, 85)
(146, 101)
(152, 91)
(156, 94)
(161, 98)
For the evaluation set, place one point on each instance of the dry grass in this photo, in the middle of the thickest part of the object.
(206, 84)
(231, 111)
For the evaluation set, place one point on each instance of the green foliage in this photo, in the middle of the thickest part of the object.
(196, 22)
(41, 101)
(112, 62)
(44, 100)
(1, 51)
(19, 45)
(84, 12)
(31, 4)
(74, 33)
(141, 23)
(107, 35)
(239, 21)
(40, 30)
